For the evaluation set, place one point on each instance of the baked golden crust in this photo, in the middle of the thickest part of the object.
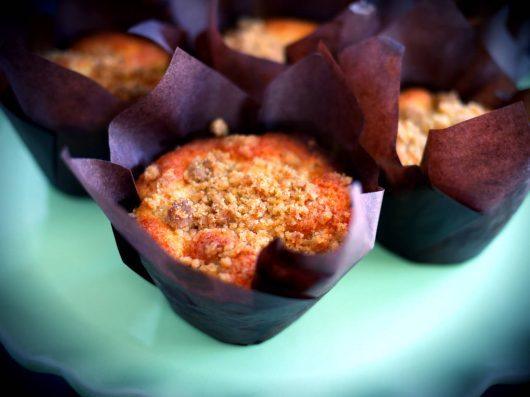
(215, 203)
(267, 38)
(289, 30)
(416, 100)
(420, 111)
(126, 65)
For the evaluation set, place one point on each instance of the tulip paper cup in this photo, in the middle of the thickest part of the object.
(474, 174)
(52, 106)
(310, 98)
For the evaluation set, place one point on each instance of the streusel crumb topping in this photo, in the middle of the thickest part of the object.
(215, 203)
(421, 111)
(267, 38)
(127, 66)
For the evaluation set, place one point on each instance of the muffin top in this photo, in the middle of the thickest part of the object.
(215, 203)
(421, 111)
(267, 38)
(126, 65)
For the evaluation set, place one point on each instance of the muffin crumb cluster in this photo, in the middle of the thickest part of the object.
(127, 66)
(214, 204)
(218, 127)
(267, 38)
(421, 111)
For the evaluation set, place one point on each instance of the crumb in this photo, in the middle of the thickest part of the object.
(230, 197)
(127, 66)
(421, 111)
(152, 172)
(179, 214)
(219, 128)
(267, 38)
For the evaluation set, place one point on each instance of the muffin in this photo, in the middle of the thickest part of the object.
(128, 66)
(267, 38)
(421, 111)
(214, 204)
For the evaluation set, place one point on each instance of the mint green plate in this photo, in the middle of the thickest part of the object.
(390, 327)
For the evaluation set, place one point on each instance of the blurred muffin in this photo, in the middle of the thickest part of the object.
(126, 65)
(267, 38)
(215, 203)
(421, 111)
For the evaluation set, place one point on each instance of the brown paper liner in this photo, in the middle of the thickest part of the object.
(52, 107)
(180, 109)
(359, 20)
(193, 15)
(205, 20)
(362, 19)
(473, 175)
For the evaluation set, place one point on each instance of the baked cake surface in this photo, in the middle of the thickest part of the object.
(267, 38)
(215, 203)
(421, 111)
(126, 65)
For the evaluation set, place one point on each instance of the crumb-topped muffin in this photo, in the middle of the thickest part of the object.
(421, 111)
(126, 65)
(215, 203)
(267, 38)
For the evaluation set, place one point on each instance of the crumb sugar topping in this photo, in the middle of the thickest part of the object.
(127, 66)
(267, 38)
(230, 197)
(421, 111)
(110, 72)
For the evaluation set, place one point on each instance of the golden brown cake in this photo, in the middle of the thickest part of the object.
(215, 203)
(421, 111)
(126, 65)
(267, 38)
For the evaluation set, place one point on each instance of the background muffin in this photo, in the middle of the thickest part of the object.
(420, 111)
(473, 175)
(128, 66)
(215, 204)
(267, 38)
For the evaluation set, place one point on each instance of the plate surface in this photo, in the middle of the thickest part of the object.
(390, 327)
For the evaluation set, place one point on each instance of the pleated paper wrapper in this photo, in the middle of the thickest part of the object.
(309, 98)
(51, 107)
